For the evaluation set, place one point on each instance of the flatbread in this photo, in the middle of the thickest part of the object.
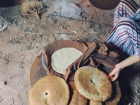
(62, 58)
(49, 90)
(93, 83)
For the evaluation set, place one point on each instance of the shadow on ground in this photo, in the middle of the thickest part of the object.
(10, 3)
(127, 84)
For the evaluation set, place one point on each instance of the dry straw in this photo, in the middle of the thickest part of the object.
(32, 8)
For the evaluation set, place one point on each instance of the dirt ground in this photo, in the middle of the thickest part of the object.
(22, 41)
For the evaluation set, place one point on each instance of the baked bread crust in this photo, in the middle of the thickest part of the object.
(49, 90)
(93, 83)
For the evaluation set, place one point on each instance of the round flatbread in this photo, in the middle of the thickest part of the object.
(49, 90)
(93, 84)
(62, 58)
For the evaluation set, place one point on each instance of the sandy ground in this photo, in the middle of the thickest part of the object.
(21, 42)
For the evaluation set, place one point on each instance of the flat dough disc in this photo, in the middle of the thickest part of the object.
(62, 58)
(49, 90)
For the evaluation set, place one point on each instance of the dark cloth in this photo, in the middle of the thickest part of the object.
(101, 55)
(94, 54)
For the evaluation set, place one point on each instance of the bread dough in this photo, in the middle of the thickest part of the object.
(62, 58)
